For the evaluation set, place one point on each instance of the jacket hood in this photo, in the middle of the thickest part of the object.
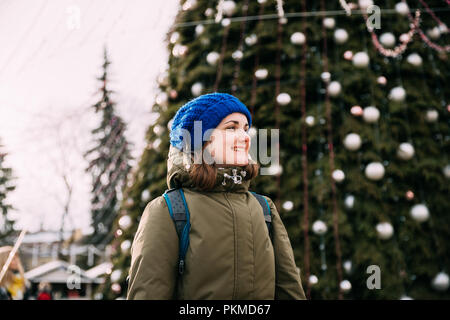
(178, 175)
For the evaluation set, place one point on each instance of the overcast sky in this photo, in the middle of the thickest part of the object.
(51, 53)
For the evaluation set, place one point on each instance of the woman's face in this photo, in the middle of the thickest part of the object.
(230, 142)
(14, 265)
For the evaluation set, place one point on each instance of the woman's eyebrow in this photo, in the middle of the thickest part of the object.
(235, 122)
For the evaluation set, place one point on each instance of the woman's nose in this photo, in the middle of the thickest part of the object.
(243, 136)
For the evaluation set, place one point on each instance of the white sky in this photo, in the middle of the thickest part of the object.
(50, 57)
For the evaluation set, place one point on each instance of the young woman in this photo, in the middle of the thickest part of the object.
(230, 253)
(13, 285)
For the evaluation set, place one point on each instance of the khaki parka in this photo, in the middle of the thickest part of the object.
(230, 254)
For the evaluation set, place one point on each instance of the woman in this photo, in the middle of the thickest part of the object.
(230, 253)
(13, 285)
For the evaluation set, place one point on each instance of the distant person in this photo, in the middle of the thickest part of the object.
(13, 285)
(44, 291)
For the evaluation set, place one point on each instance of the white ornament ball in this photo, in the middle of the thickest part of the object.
(434, 33)
(348, 266)
(116, 288)
(228, 7)
(163, 79)
(226, 22)
(251, 39)
(197, 89)
(374, 171)
(125, 245)
(329, 23)
(313, 279)
(283, 99)
(209, 12)
(402, 8)
(431, 116)
(414, 59)
(288, 205)
(364, 4)
(174, 37)
(179, 50)
(340, 36)
(387, 39)
(405, 151)
(404, 37)
(334, 88)
(298, 38)
(420, 213)
(275, 169)
(384, 230)
(371, 114)
(115, 275)
(199, 29)
(352, 141)
(261, 74)
(125, 222)
(405, 297)
(440, 281)
(237, 55)
(397, 94)
(446, 171)
(319, 227)
(338, 175)
(349, 201)
(162, 99)
(361, 59)
(310, 121)
(212, 58)
(346, 286)
(326, 76)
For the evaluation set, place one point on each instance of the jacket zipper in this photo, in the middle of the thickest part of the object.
(235, 247)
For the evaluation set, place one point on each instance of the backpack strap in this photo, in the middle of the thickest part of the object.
(179, 213)
(266, 210)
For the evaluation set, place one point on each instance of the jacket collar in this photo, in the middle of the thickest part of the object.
(227, 178)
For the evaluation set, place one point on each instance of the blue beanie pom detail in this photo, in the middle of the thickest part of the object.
(210, 109)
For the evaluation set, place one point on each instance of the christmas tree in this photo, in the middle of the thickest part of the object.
(108, 164)
(358, 95)
(6, 186)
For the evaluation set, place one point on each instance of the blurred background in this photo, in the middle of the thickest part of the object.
(358, 90)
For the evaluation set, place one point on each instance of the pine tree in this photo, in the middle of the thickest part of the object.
(108, 165)
(363, 135)
(6, 186)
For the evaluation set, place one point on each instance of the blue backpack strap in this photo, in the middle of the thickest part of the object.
(266, 210)
(179, 213)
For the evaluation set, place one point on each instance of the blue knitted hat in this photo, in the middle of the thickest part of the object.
(208, 108)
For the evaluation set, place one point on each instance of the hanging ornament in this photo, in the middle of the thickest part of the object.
(125, 222)
(329, 23)
(374, 171)
(397, 94)
(361, 59)
(288, 205)
(371, 114)
(162, 99)
(251, 39)
(434, 33)
(440, 282)
(364, 4)
(319, 227)
(298, 38)
(349, 201)
(237, 55)
(357, 111)
(116, 288)
(348, 55)
(404, 37)
(145, 196)
(173, 94)
(209, 12)
(402, 8)
(387, 39)
(179, 50)
(310, 121)
(326, 76)
(262, 1)
(189, 4)
(158, 129)
(212, 58)
(313, 280)
(163, 79)
(346, 286)
(347, 266)
(334, 88)
(446, 171)
(414, 59)
(125, 245)
(174, 37)
(115, 275)
(225, 22)
(409, 195)
(156, 143)
(382, 80)
(431, 116)
(261, 74)
(283, 99)
(228, 7)
(197, 89)
(384, 230)
(340, 36)
(405, 151)
(420, 213)
(338, 175)
(199, 29)
(352, 141)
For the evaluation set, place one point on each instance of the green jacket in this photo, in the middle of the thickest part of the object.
(230, 254)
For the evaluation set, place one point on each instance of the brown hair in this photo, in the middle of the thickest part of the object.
(204, 175)
(7, 279)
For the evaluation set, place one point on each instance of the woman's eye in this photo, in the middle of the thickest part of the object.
(230, 128)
